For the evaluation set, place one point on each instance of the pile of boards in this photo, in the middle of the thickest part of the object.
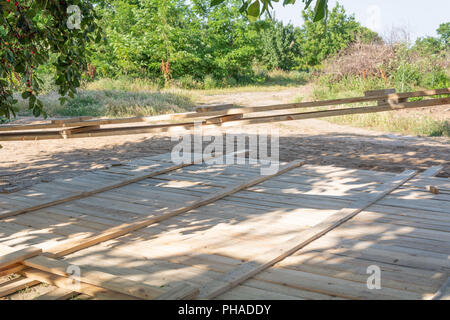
(220, 116)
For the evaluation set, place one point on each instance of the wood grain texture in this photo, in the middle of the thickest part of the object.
(74, 245)
(275, 255)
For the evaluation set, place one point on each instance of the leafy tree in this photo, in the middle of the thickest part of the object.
(365, 35)
(194, 40)
(256, 8)
(444, 32)
(434, 45)
(320, 40)
(30, 31)
(428, 45)
(279, 46)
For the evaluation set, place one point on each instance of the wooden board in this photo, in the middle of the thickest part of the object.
(114, 185)
(78, 244)
(406, 233)
(16, 285)
(444, 292)
(250, 269)
(96, 278)
(9, 257)
(179, 127)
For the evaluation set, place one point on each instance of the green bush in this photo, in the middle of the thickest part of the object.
(210, 82)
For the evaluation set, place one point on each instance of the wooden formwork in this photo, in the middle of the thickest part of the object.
(150, 229)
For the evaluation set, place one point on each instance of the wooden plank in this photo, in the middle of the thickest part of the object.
(71, 120)
(222, 119)
(396, 97)
(391, 105)
(207, 108)
(180, 127)
(12, 269)
(96, 278)
(112, 186)
(9, 256)
(72, 245)
(16, 285)
(181, 292)
(275, 255)
(393, 97)
(61, 282)
(82, 129)
(372, 93)
(58, 294)
(431, 172)
(443, 293)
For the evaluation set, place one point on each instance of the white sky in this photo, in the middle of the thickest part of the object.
(420, 18)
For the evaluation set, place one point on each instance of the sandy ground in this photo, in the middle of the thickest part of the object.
(25, 163)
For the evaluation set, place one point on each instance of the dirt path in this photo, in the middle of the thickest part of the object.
(25, 163)
(259, 98)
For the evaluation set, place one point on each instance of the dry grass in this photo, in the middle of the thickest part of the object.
(360, 59)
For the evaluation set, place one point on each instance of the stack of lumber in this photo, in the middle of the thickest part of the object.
(218, 116)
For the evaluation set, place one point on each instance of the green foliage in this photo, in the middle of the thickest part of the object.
(320, 40)
(444, 33)
(193, 40)
(30, 32)
(256, 8)
(280, 50)
(179, 42)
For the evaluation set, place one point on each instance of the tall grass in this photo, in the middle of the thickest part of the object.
(415, 123)
(127, 97)
(112, 103)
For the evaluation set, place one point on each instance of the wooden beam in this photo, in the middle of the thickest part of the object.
(11, 269)
(10, 256)
(431, 172)
(443, 293)
(58, 294)
(68, 132)
(222, 119)
(16, 285)
(103, 132)
(207, 108)
(73, 245)
(112, 186)
(191, 115)
(275, 255)
(61, 282)
(96, 278)
(372, 93)
(390, 106)
(181, 292)
(72, 120)
(179, 127)
(395, 97)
